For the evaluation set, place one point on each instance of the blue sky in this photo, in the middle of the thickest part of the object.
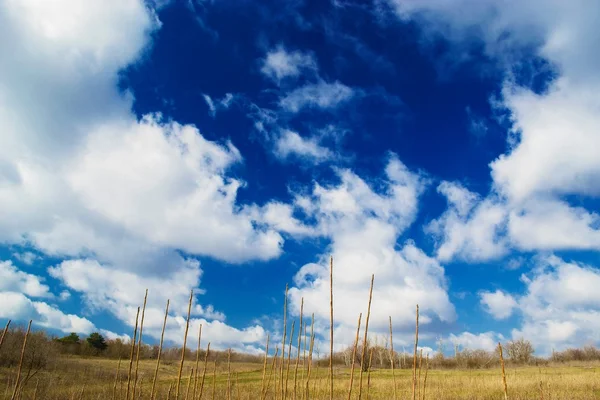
(449, 148)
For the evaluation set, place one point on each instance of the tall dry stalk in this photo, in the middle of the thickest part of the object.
(503, 372)
(331, 328)
(116, 379)
(304, 366)
(287, 373)
(419, 379)
(131, 354)
(299, 344)
(414, 378)
(264, 394)
(425, 378)
(214, 385)
(229, 374)
(364, 349)
(4, 333)
(237, 386)
(18, 380)
(37, 383)
(169, 392)
(187, 327)
(204, 372)
(262, 390)
(162, 336)
(197, 362)
(369, 373)
(187, 390)
(284, 337)
(354, 357)
(310, 353)
(139, 344)
(392, 359)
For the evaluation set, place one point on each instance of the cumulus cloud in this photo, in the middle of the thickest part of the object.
(14, 280)
(467, 340)
(280, 63)
(554, 133)
(364, 225)
(316, 95)
(499, 304)
(290, 143)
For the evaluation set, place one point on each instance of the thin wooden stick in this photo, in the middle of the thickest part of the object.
(264, 396)
(187, 390)
(187, 327)
(116, 379)
(414, 380)
(354, 357)
(17, 381)
(137, 357)
(392, 358)
(364, 349)
(304, 365)
(310, 353)
(503, 373)
(369, 373)
(214, 379)
(262, 390)
(287, 374)
(197, 362)
(284, 337)
(419, 380)
(204, 372)
(331, 328)
(170, 389)
(425, 379)
(229, 374)
(4, 333)
(131, 354)
(299, 345)
(162, 336)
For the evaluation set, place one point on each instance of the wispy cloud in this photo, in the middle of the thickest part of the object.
(316, 95)
(280, 63)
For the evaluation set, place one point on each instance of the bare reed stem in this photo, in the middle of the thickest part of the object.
(392, 358)
(187, 390)
(131, 354)
(331, 328)
(229, 374)
(287, 374)
(162, 336)
(310, 353)
(354, 357)
(139, 344)
(369, 373)
(262, 390)
(425, 378)
(4, 333)
(503, 373)
(414, 378)
(116, 379)
(204, 372)
(264, 395)
(187, 327)
(214, 379)
(17, 381)
(364, 349)
(419, 379)
(197, 362)
(299, 345)
(284, 337)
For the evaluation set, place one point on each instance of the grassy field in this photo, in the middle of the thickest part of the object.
(94, 378)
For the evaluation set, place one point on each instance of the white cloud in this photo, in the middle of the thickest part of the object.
(280, 63)
(555, 133)
(14, 280)
(499, 304)
(364, 225)
(17, 306)
(290, 143)
(316, 95)
(484, 341)
(214, 107)
(26, 257)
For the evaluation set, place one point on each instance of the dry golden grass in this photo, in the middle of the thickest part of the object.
(70, 375)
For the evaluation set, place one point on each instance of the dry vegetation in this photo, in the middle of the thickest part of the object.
(35, 366)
